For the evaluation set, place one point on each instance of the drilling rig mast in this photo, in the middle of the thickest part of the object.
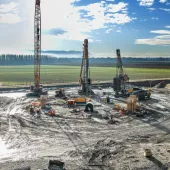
(37, 88)
(37, 45)
(85, 82)
(119, 82)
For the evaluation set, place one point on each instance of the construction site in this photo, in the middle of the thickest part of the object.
(116, 125)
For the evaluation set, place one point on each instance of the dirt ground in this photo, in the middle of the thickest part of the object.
(85, 141)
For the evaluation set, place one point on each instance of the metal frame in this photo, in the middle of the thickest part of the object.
(37, 45)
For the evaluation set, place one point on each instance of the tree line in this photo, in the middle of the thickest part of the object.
(15, 59)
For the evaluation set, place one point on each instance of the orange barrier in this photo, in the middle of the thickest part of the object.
(51, 112)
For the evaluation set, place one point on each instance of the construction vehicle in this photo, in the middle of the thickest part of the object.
(77, 101)
(141, 94)
(85, 81)
(81, 101)
(37, 89)
(120, 83)
(89, 106)
(60, 93)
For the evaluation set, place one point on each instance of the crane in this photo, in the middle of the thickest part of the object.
(37, 88)
(85, 82)
(119, 82)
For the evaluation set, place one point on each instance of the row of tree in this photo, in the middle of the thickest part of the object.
(12, 59)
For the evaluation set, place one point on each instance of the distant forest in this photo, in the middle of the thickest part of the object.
(12, 60)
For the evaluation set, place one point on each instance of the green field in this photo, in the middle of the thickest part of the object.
(24, 74)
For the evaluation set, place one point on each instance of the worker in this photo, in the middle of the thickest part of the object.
(32, 111)
(74, 106)
(38, 113)
(122, 112)
(108, 99)
(105, 100)
(74, 109)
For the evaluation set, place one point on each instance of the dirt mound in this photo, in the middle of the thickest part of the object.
(4, 101)
(167, 86)
(162, 84)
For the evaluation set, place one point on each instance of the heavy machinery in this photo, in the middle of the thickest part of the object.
(77, 101)
(85, 81)
(81, 101)
(119, 82)
(140, 93)
(60, 93)
(37, 89)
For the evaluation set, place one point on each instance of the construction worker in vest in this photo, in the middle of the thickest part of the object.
(74, 109)
(105, 100)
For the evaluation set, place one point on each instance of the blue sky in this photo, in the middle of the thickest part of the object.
(137, 27)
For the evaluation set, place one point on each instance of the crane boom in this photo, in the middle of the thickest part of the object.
(119, 65)
(37, 89)
(84, 79)
(37, 44)
(119, 82)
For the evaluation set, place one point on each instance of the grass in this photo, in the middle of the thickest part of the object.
(10, 75)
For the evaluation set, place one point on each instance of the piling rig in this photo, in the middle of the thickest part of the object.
(37, 89)
(86, 81)
(120, 83)
(121, 79)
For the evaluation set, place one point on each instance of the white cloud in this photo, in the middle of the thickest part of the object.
(154, 41)
(146, 2)
(155, 18)
(9, 13)
(143, 20)
(121, 6)
(152, 9)
(8, 7)
(118, 30)
(162, 39)
(165, 9)
(108, 31)
(82, 19)
(168, 26)
(161, 32)
(9, 18)
(162, 1)
(110, 0)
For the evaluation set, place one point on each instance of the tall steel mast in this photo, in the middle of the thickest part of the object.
(85, 81)
(37, 45)
(37, 89)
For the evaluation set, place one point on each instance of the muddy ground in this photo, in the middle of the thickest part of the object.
(85, 141)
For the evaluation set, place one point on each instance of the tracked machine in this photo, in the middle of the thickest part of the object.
(37, 89)
(121, 79)
(84, 79)
(120, 83)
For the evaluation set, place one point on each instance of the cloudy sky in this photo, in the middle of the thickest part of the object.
(137, 27)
